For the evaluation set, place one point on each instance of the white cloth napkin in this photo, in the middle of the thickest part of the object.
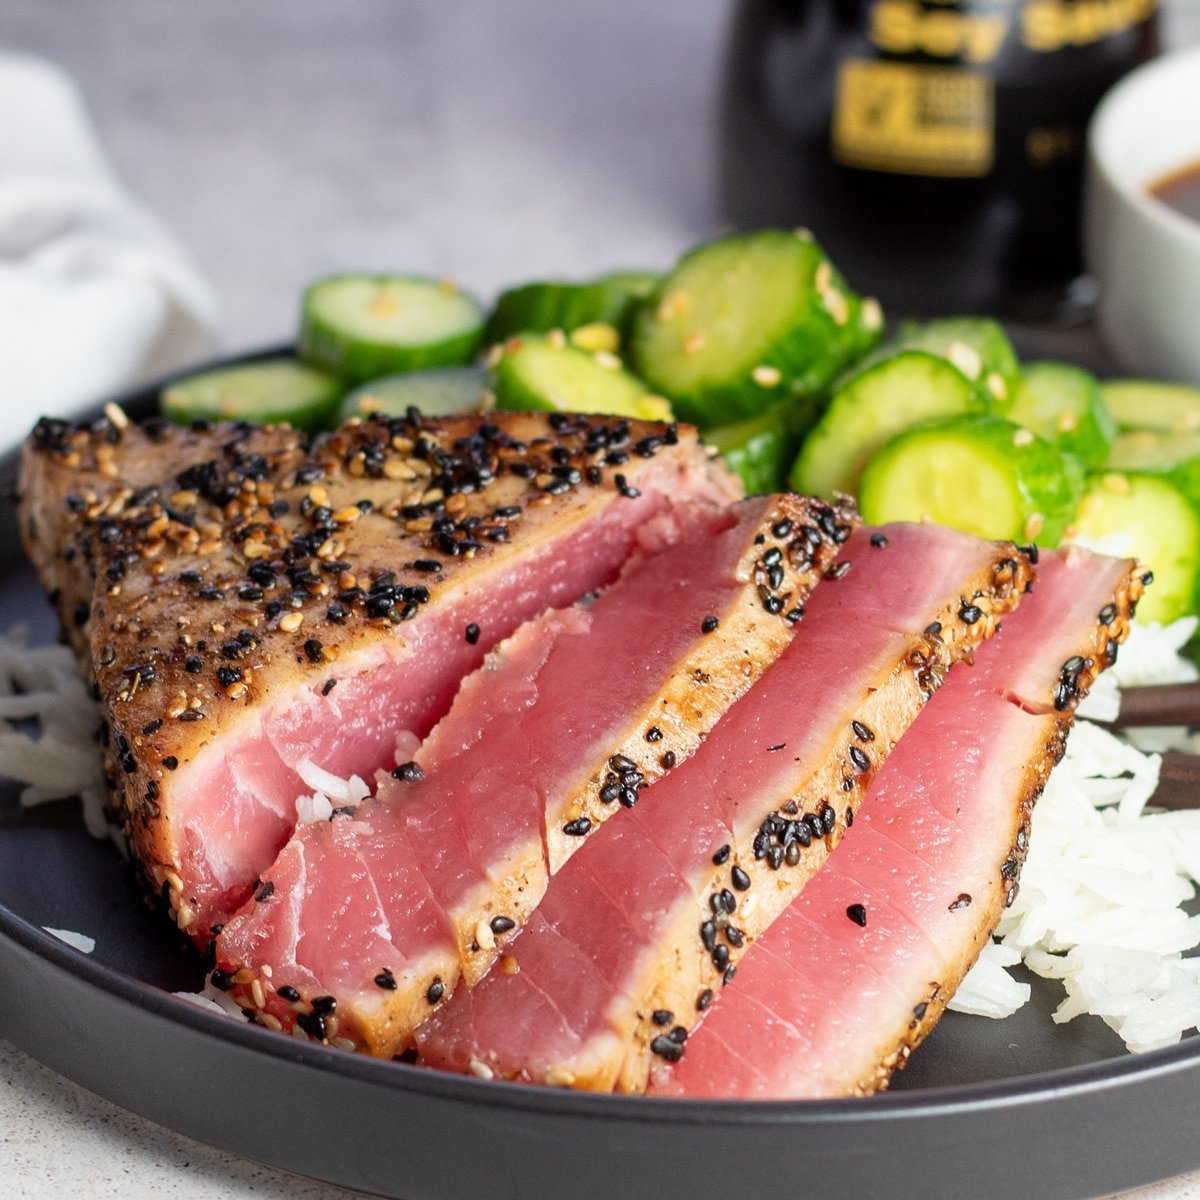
(93, 293)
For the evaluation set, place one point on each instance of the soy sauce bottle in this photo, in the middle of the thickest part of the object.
(935, 147)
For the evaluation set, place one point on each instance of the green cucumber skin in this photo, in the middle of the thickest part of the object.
(809, 353)
(1166, 514)
(356, 360)
(759, 450)
(440, 392)
(541, 307)
(826, 464)
(1044, 480)
(1047, 390)
(1153, 405)
(1171, 456)
(624, 394)
(296, 394)
(558, 304)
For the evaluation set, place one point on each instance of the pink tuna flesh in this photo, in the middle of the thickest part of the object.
(827, 1005)
(235, 802)
(638, 931)
(559, 729)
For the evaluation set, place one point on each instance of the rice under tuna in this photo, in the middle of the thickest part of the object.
(1101, 900)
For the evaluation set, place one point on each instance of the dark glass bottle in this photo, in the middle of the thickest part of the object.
(934, 148)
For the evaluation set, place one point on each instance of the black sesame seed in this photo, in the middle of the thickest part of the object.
(739, 879)
(662, 1016)
(1108, 614)
(862, 732)
(962, 901)
(858, 914)
(721, 856)
(288, 993)
(878, 540)
(730, 972)
(472, 634)
(430, 566)
(781, 529)
(221, 980)
(228, 676)
(654, 734)
(668, 760)
(386, 980)
(314, 651)
(704, 999)
(436, 990)
(500, 925)
(720, 957)
(665, 1048)
(859, 758)
(193, 665)
(170, 762)
(968, 614)
(265, 892)
(709, 624)
(409, 772)
(328, 686)
(579, 827)
(708, 935)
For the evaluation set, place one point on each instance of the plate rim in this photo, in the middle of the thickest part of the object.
(919, 1104)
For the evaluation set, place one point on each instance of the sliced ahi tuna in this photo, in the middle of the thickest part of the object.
(259, 610)
(834, 997)
(564, 727)
(638, 932)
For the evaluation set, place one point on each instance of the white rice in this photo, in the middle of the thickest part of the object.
(1100, 904)
(80, 941)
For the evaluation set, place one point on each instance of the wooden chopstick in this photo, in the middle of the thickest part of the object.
(1178, 781)
(1167, 704)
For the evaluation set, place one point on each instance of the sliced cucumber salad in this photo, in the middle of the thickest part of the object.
(757, 339)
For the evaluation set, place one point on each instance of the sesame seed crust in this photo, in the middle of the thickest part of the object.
(203, 572)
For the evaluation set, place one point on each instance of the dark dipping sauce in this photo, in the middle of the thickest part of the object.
(1180, 190)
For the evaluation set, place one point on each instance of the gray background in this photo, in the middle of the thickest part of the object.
(480, 139)
(488, 141)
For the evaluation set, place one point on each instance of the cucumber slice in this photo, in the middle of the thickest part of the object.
(977, 346)
(541, 307)
(980, 474)
(1149, 404)
(758, 450)
(442, 392)
(638, 284)
(1173, 456)
(362, 327)
(874, 405)
(744, 322)
(1062, 404)
(270, 391)
(547, 372)
(1147, 518)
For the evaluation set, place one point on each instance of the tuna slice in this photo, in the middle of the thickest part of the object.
(568, 721)
(836, 995)
(260, 607)
(639, 931)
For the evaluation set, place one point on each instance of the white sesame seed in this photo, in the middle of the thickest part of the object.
(965, 358)
(484, 937)
(481, 1069)
(290, 622)
(766, 376)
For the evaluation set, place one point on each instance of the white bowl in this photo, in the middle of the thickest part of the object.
(1144, 255)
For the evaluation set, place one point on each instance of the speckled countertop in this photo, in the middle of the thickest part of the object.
(488, 140)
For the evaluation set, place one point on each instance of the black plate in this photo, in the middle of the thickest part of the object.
(1017, 1108)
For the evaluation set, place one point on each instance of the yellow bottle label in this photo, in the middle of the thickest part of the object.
(914, 120)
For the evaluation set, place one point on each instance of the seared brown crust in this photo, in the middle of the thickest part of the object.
(248, 565)
(773, 879)
(1096, 651)
(796, 539)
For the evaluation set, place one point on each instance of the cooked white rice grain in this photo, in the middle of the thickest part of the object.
(1100, 903)
(80, 941)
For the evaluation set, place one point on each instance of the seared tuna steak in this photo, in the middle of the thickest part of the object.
(260, 609)
(641, 929)
(837, 993)
(567, 723)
